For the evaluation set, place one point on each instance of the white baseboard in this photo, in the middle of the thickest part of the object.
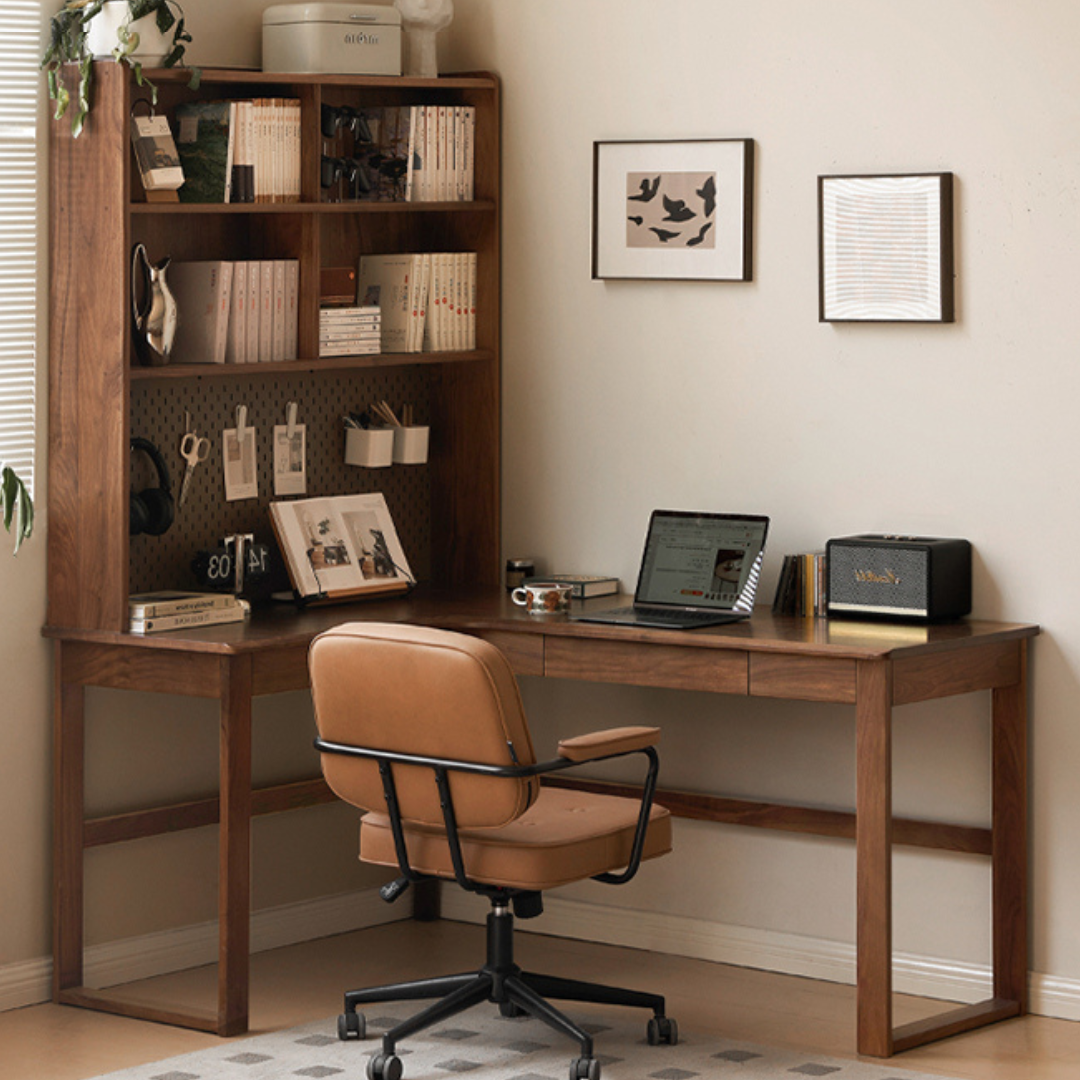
(770, 950)
(129, 959)
(29, 982)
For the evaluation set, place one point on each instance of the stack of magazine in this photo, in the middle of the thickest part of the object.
(173, 609)
(349, 331)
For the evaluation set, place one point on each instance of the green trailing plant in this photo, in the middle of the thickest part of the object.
(17, 505)
(67, 44)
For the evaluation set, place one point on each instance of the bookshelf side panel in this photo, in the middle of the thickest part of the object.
(89, 348)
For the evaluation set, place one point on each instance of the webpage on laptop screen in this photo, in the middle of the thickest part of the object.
(704, 562)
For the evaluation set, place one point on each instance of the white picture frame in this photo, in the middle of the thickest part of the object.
(673, 210)
(885, 248)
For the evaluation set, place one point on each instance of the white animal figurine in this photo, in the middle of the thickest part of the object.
(422, 20)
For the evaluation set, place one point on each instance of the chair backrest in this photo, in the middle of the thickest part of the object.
(415, 690)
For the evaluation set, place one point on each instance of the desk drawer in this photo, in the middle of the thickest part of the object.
(673, 667)
(524, 651)
(803, 678)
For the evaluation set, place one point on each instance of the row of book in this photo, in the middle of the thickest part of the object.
(239, 151)
(412, 153)
(349, 331)
(174, 609)
(427, 301)
(801, 589)
(242, 312)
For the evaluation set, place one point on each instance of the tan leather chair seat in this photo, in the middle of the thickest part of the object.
(564, 836)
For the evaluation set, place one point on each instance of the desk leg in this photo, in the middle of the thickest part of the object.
(1009, 824)
(68, 786)
(873, 844)
(234, 852)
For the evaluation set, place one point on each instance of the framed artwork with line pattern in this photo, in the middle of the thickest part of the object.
(673, 210)
(885, 248)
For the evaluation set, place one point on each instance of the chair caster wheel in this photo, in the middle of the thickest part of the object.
(662, 1029)
(510, 1009)
(384, 1067)
(585, 1069)
(351, 1025)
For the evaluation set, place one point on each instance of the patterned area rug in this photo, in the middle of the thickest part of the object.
(482, 1045)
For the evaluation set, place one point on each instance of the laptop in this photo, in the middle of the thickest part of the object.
(698, 569)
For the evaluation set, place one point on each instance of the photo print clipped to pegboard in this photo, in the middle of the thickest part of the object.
(158, 413)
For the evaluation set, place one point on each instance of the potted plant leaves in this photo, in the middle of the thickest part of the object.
(132, 32)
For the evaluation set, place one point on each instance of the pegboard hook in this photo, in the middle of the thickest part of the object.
(241, 424)
(290, 418)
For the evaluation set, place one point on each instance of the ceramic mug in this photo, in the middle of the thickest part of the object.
(543, 597)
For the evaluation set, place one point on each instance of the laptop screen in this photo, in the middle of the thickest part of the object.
(702, 561)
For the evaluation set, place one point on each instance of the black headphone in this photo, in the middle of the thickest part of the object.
(152, 509)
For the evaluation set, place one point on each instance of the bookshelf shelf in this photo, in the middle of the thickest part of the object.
(327, 365)
(146, 209)
(447, 510)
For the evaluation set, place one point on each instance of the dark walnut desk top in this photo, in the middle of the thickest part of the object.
(490, 609)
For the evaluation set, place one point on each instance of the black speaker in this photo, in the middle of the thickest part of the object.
(898, 577)
(151, 509)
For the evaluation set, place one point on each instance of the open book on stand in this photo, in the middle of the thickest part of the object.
(341, 546)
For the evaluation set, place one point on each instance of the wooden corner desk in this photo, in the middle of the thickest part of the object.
(871, 666)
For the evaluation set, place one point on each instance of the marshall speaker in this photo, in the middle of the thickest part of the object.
(899, 577)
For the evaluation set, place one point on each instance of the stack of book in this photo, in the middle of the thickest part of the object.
(417, 153)
(239, 151)
(428, 301)
(177, 610)
(802, 586)
(349, 331)
(235, 312)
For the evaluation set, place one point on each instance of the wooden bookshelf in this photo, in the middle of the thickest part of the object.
(447, 512)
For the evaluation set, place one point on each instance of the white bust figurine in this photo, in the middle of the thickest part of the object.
(422, 20)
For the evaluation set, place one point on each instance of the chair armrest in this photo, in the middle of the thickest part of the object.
(608, 743)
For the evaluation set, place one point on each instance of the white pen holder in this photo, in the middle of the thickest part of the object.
(411, 445)
(372, 448)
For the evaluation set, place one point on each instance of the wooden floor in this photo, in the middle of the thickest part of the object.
(304, 982)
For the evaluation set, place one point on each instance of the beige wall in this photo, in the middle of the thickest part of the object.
(620, 397)
(624, 396)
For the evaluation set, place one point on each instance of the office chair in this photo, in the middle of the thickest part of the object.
(424, 730)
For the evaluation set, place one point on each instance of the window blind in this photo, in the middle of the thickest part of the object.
(20, 80)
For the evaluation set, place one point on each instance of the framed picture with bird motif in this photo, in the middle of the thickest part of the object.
(673, 210)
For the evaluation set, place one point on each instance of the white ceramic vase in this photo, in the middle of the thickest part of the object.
(101, 35)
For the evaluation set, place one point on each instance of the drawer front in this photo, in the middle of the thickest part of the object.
(803, 678)
(524, 651)
(674, 667)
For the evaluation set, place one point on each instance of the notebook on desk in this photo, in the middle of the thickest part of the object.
(698, 569)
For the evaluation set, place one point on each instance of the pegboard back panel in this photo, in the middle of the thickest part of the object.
(158, 414)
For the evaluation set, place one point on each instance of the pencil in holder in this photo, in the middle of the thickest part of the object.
(371, 448)
(411, 444)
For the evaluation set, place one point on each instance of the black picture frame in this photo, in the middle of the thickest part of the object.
(694, 199)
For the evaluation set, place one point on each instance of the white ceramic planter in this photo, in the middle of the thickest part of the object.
(101, 37)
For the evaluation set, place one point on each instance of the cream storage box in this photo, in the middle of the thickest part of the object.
(332, 39)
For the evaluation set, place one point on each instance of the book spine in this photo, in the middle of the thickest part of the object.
(251, 331)
(277, 337)
(266, 310)
(236, 350)
(470, 153)
(223, 306)
(292, 309)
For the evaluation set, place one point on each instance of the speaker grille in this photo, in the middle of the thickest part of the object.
(878, 579)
